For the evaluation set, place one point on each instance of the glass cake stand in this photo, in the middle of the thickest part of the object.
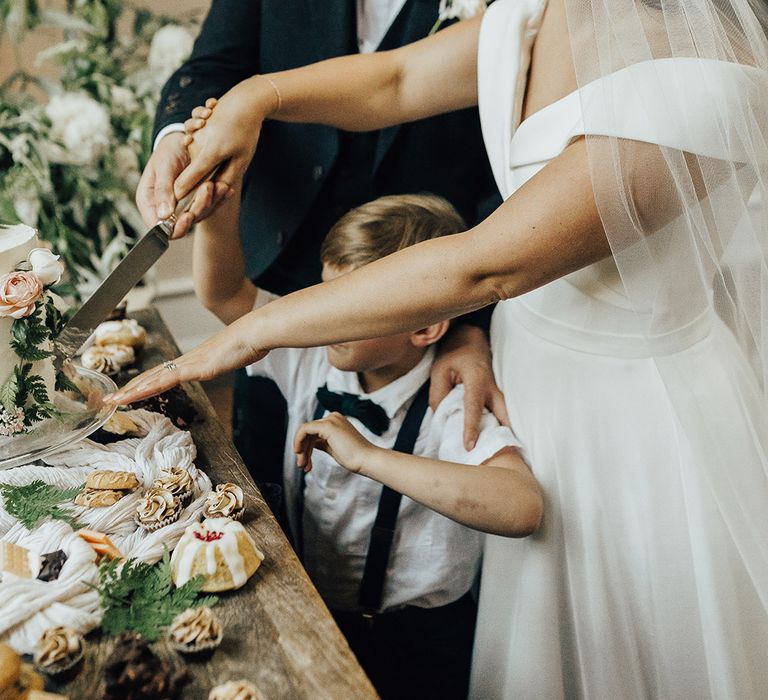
(79, 416)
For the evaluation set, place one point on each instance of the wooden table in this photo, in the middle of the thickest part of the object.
(277, 631)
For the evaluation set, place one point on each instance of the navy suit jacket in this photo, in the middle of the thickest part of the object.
(444, 155)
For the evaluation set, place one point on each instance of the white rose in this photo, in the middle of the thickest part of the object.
(127, 166)
(123, 98)
(81, 125)
(170, 47)
(45, 265)
(27, 209)
(460, 9)
(19, 147)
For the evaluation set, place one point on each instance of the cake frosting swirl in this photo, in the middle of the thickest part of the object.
(126, 331)
(58, 649)
(177, 480)
(108, 359)
(157, 507)
(227, 501)
(195, 629)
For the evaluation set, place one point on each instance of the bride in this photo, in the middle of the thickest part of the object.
(630, 140)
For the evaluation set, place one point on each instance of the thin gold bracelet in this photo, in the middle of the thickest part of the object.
(277, 94)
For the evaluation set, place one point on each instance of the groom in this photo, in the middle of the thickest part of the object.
(304, 177)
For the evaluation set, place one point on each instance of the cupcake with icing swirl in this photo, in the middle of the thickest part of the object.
(178, 481)
(107, 359)
(227, 501)
(58, 650)
(235, 690)
(195, 630)
(124, 332)
(158, 508)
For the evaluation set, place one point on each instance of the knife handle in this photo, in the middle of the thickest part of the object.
(185, 202)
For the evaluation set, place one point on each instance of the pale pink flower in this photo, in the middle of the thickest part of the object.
(19, 291)
(12, 423)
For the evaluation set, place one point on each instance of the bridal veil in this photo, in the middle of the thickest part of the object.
(639, 384)
(674, 102)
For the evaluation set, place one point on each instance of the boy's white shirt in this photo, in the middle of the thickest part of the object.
(434, 560)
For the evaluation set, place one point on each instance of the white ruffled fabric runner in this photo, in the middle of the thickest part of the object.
(28, 608)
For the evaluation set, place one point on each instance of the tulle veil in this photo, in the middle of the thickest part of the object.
(649, 576)
(685, 210)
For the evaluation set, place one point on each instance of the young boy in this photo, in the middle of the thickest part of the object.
(394, 570)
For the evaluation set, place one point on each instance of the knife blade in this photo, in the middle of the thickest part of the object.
(120, 281)
(112, 290)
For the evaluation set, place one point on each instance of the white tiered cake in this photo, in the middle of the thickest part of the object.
(28, 322)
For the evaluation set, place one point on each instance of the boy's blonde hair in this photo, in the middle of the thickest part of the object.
(388, 224)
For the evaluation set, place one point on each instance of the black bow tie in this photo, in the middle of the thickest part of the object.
(370, 414)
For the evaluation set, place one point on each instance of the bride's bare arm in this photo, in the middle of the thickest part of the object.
(548, 228)
(357, 93)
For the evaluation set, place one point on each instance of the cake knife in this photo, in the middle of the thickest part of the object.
(120, 281)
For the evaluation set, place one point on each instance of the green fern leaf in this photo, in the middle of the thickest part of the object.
(141, 597)
(8, 393)
(37, 500)
(63, 383)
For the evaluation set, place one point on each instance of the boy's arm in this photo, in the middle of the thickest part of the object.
(223, 288)
(218, 264)
(501, 496)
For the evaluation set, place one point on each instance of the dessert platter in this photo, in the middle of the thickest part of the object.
(105, 520)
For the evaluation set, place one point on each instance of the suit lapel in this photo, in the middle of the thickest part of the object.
(332, 26)
(414, 22)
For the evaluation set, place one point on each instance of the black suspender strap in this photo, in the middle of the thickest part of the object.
(372, 585)
(377, 560)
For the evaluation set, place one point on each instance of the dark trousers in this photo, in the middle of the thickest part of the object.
(417, 653)
(259, 425)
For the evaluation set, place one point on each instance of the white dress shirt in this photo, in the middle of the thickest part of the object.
(433, 560)
(374, 18)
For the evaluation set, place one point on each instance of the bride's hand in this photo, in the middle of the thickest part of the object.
(230, 134)
(198, 119)
(221, 353)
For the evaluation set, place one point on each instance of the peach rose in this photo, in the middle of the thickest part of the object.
(18, 293)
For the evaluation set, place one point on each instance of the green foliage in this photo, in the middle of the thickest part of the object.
(8, 393)
(32, 502)
(63, 383)
(20, 15)
(54, 319)
(30, 339)
(30, 332)
(35, 391)
(28, 392)
(141, 597)
(80, 200)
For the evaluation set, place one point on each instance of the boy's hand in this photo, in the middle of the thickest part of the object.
(335, 435)
(464, 357)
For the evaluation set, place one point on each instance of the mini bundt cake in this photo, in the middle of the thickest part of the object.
(218, 549)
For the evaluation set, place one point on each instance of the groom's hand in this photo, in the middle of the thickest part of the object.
(464, 357)
(154, 195)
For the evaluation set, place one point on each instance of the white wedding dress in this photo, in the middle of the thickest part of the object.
(649, 576)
